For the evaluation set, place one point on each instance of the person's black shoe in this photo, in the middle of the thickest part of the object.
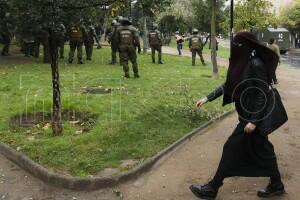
(5, 54)
(126, 76)
(136, 76)
(204, 191)
(275, 82)
(153, 61)
(80, 62)
(271, 190)
(70, 61)
(160, 62)
(89, 59)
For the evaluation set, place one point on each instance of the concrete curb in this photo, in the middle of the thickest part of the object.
(76, 183)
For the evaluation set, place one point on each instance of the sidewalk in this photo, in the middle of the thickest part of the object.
(186, 53)
(194, 162)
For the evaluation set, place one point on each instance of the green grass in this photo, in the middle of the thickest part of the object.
(137, 120)
(222, 52)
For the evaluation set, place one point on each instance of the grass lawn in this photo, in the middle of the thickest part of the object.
(134, 122)
(222, 52)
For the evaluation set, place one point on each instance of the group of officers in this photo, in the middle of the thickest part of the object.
(123, 38)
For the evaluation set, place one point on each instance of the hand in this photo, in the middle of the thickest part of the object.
(249, 128)
(201, 102)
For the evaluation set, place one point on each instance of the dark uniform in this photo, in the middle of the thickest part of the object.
(41, 36)
(60, 36)
(128, 39)
(76, 42)
(155, 41)
(113, 43)
(89, 40)
(196, 47)
(6, 38)
(29, 43)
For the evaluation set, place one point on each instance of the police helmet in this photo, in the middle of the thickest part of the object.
(119, 18)
(125, 21)
(114, 22)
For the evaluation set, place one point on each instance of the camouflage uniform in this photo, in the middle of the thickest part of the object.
(76, 42)
(89, 41)
(128, 39)
(155, 41)
(196, 47)
(113, 43)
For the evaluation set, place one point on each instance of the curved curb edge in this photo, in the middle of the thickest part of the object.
(76, 183)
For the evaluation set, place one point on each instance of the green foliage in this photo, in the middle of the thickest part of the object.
(184, 15)
(254, 13)
(152, 7)
(202, 10)
(290, 16)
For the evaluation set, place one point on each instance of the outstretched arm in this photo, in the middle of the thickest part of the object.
(212, 96)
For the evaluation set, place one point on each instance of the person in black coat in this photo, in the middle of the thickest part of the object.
(247, 152)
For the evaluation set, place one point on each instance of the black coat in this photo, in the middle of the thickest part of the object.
(250, 155)
(250, 96)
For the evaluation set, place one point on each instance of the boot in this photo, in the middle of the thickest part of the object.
(204, 191)
(271, 190)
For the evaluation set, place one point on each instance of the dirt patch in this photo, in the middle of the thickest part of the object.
(95, 90)
(85, 120)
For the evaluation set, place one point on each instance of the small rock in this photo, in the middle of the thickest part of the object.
(79, 132)
(74, 198)
(118, 193)
(74, 122)
(18, 148)
(47, 126)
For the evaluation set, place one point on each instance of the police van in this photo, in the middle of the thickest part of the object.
(282, 36)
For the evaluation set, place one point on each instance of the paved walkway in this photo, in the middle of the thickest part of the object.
(194, 162)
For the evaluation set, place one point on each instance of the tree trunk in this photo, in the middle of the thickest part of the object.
(57, 128)
(145, 35)
(215, 73)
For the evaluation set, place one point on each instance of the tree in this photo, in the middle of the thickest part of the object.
(149, 9)
(213, 38)
(202, 11)
(290, 16)
(254, 13)
(42, 16)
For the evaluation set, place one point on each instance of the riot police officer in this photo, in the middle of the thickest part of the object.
(89, 40)
(60, 35)
(196, 46)
(76, 42)
(112, 41)
(128, 40)
(155, 41)
(6, 37)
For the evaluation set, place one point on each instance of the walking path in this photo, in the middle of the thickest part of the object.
(194, 162)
